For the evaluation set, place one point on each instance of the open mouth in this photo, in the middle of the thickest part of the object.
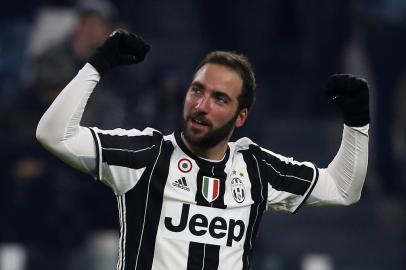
(199, 122)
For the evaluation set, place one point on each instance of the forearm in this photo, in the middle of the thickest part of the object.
(342, 181)
(59, 130)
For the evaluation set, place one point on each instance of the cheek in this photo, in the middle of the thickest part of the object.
(222, 116)
(187, 105)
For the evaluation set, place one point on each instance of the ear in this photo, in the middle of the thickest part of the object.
(241, 117)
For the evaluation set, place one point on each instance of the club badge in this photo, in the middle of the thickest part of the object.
(185, 165)
(238, 190)
(210, 188)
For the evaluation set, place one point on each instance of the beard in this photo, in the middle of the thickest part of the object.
(212, 137)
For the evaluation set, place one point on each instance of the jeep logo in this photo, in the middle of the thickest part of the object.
(204, 224)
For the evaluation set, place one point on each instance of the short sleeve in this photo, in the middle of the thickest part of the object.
(289, 182)
(124, 155)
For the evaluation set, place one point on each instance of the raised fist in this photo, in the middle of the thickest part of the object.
(351, 95)
(120, 48)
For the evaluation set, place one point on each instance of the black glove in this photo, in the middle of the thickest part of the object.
(351, 94)
(120, 48)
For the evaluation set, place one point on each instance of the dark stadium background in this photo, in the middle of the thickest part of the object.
(52, 217)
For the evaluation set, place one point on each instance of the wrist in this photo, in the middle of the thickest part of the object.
(357, 118)
(88, 66)
(363, 129)
(99, 62)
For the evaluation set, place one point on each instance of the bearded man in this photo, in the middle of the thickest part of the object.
(193, 199)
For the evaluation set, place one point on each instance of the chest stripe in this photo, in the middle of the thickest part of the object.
(258, 194)
(153, 207)
(206, 256)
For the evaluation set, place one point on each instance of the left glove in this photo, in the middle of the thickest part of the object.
(120, 48)
(351, 95)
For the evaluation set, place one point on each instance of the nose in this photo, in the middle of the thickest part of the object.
(203, 104)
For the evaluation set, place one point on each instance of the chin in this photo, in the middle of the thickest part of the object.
(193, 138)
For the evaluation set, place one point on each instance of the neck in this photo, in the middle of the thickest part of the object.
(216, 152)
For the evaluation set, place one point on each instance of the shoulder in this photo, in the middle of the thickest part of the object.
(246, 143)
(243, 143)
(128, 132)
(127, 138)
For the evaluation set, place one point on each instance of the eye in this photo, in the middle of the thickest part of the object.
(195, 89)
(221, 100)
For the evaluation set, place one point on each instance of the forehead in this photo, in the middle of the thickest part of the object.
(219, 78)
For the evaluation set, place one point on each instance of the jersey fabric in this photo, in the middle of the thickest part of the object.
(180, 211)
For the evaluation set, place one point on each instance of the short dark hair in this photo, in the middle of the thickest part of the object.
(240, 64)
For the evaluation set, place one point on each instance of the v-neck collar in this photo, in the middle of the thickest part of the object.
(200, 160)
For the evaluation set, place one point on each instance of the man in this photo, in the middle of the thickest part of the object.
(192, 199)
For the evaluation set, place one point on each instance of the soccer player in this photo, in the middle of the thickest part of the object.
(193, 199)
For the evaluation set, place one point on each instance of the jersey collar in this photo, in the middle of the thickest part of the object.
(198, 159)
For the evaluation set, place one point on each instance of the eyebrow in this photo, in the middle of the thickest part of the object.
(217, 93)
(198, 84)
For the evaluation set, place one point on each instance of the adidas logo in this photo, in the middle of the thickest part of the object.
(181, 183)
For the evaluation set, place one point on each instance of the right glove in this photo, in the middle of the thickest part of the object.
(351, 95)
(120, 48)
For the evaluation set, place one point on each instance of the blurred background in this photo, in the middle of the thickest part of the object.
(53, 217)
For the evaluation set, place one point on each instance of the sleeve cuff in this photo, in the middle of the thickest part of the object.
(363, 129)
(91, 70)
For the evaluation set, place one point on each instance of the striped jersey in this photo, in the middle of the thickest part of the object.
(180, 211)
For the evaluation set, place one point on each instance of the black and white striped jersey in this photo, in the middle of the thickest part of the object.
(179, 211)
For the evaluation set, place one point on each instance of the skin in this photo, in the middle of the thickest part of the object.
(210, 112)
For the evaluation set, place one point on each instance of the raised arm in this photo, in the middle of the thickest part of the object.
(59, 129)
(342, 181)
